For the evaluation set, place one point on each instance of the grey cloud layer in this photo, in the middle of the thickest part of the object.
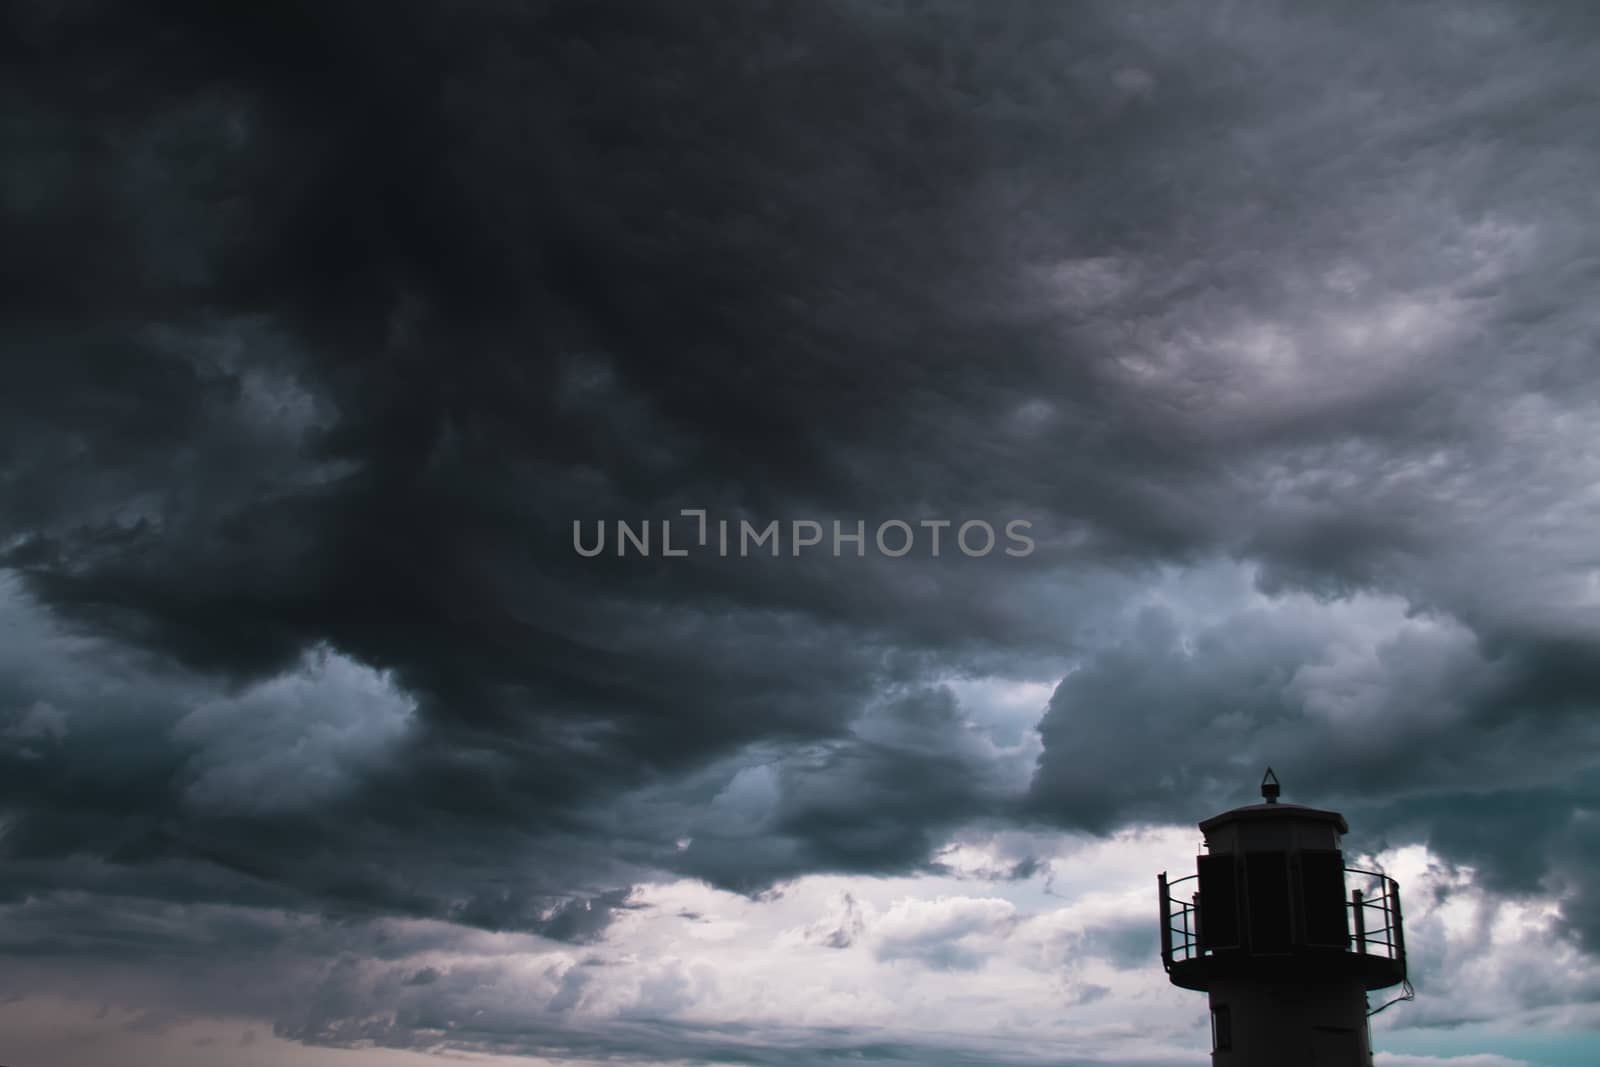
(323, 328)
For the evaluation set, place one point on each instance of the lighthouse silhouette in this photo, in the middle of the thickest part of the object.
(1286, 940)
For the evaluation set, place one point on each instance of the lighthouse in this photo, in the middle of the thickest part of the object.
(1283, 937)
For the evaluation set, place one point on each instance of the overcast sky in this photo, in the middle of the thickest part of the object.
(323, 745)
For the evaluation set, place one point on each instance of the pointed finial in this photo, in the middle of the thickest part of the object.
(1269, 786)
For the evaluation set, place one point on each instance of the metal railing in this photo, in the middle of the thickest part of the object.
(1373, 910)
(1180, 930)
(1381, 934)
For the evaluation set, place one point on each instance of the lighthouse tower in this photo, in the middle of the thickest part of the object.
(1284, 938)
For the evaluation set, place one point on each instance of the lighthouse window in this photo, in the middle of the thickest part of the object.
(1221, 1029)
(1219, 902)
(1267, 883)
(1322, 891)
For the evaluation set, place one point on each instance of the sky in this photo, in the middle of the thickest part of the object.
(1258, 337)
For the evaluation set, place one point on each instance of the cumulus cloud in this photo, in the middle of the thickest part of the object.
(947, 933)
(293, 741)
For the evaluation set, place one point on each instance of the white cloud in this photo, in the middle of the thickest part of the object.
(1400, 1059)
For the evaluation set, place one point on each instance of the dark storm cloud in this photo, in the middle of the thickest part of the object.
(1407, 723)
(323, 327)
(876, 802)
(446, 284)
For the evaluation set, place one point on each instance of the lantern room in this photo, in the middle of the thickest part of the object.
(1284, 936)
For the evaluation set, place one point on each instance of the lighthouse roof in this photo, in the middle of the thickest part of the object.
(1274, 811)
